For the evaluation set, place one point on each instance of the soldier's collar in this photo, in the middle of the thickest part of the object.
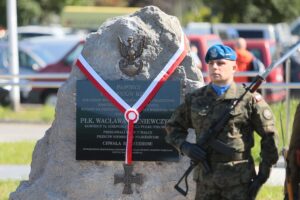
(231, 93)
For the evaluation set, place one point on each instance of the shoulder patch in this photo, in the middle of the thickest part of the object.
(267, 114)
(258, 97)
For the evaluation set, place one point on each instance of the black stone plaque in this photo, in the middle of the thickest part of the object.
(101, 128)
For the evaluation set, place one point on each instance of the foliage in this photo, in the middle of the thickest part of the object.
(251, 11)
(33, 11)
(197, 15)
(47, 11)
(246, 11)
(28, 12)
(6, 187)
(16, 152)
(264, 11)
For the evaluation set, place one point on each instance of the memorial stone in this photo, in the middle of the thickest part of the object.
(133, 48)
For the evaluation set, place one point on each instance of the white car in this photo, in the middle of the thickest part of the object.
(37, 31)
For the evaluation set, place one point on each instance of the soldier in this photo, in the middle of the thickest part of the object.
(233, 176)
(293, 158)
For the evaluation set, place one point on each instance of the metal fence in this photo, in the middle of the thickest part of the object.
(48, 81)
(30, 80)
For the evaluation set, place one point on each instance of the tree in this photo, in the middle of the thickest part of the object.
(28, 11)
(36, 11)
(50, 8)
(264, 11)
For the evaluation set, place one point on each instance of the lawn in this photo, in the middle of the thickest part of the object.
(279, 110)
(28, 113)
(16, 152)
(6, 187)
(270, 193)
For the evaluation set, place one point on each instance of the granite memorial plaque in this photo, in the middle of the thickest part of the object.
(101, 128)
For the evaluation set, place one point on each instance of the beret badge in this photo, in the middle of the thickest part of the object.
(213, 53)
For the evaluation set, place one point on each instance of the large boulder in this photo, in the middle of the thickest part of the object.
(55, 173)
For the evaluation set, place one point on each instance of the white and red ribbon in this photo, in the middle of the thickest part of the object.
(131, 114)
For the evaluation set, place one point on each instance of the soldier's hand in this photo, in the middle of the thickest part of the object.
(259, 180)
(193, 151)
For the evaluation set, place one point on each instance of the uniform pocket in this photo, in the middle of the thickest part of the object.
(233, 173)
(199, 115)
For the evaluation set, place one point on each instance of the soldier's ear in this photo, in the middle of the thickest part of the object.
(234, 66)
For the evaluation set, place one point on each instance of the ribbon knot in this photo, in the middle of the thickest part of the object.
(131, 115)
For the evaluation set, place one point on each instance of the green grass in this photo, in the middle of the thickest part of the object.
(278, 109)
(6, 187)
(16, 152)
(270, 193)
(27, 113)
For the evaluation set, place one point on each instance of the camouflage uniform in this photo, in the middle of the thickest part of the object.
(294, 159)
(230, 175)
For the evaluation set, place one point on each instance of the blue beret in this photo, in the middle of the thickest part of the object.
(220, 51)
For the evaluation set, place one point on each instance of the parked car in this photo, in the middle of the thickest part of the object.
(266, 51)
(251, 31)
(37, 31)
(206, 28)
(44, 55)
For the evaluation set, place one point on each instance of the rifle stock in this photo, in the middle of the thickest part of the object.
(289, 188)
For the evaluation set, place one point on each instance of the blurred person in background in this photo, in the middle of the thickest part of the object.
(2, 32)
(194, 54)
(246, 61)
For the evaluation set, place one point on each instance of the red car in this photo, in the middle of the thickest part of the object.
(266, 52)
(36, 56)
(65, 50)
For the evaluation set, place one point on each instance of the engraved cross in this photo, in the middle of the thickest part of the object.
(128, 179)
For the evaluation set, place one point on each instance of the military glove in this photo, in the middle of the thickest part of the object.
(259, 180)
(193, 151)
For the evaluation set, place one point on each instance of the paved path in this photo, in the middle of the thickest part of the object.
(23, 131)
(10, 132)
(21, 172)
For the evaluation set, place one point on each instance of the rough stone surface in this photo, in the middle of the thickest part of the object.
(55, 174)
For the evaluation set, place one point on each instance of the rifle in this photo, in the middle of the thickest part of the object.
(209, 138)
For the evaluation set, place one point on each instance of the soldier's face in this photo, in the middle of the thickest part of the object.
(221, 71)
